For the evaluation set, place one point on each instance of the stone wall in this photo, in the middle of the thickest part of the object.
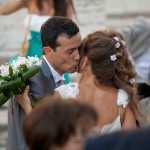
(12, 29)
(92, 15)
(120, 13)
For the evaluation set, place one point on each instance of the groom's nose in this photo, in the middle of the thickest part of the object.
(76, 55)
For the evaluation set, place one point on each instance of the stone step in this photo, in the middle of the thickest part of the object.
(3, 137)
(3, 126)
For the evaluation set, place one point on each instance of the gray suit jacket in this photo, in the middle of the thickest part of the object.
(41, 84)
(137, 37)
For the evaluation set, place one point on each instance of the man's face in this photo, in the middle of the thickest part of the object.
(66, 56)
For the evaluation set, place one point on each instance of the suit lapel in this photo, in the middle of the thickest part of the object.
(48, 75)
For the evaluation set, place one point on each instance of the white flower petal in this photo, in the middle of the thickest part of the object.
(117, 45)
(123, 42)
(116, 38)
(4, 69)
(113, 57)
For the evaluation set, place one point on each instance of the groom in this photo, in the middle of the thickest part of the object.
(60, 41)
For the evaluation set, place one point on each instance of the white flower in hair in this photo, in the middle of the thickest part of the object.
(117, 45)
(123, 42)
(132, 81)
(116, 38)
(113, 57)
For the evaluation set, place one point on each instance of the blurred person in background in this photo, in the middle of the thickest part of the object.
(137, 37)
(57, 123)
(43, 10)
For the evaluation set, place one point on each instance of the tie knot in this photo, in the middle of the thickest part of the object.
(60, 82)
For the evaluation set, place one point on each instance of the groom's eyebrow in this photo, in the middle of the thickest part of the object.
(71, 49)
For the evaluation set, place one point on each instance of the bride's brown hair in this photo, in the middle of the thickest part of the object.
(119, 74)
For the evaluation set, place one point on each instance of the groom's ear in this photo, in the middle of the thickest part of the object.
(47, 51)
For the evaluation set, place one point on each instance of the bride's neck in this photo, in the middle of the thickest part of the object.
(87, 72)
(87, 76)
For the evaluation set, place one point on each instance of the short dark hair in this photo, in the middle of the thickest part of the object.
(54, 27)
(53, 120)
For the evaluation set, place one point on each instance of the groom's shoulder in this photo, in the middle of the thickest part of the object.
(37, 77)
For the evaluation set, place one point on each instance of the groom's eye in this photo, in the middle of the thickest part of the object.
(70, 51)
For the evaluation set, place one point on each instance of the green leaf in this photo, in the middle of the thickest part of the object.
(8, 93)
(31, 72)
(17, 83)
(5, 78)
(17, 91)
(22, 69)
(10, 71)
(4, 97)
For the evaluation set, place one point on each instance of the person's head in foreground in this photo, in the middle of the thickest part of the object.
(104, 55)
(58, 124)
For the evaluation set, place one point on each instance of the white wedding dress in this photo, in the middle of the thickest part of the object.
(71, 90)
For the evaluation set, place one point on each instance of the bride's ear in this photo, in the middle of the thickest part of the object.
(86, 61)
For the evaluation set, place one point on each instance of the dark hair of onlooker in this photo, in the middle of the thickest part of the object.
(53, 121)
(55, 27)
(60, 7)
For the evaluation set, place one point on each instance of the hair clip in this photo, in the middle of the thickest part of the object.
(113, 57)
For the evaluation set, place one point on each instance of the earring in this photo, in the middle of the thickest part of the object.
(83, 65)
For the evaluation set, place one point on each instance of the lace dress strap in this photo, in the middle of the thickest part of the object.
(70, 90)
(123, 99)
(116, 124)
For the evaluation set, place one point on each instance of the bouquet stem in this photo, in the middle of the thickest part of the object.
(30, 72)
(12, 84)
(5, 97)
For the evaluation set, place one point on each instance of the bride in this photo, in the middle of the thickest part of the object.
(107, 82)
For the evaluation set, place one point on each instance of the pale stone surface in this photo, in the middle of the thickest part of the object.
(11, 30)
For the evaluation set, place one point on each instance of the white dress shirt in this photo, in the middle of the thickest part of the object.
(56, 75)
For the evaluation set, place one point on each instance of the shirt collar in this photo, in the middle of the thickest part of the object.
(56, 75)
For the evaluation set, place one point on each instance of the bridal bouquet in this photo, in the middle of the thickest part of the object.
(13, 78)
